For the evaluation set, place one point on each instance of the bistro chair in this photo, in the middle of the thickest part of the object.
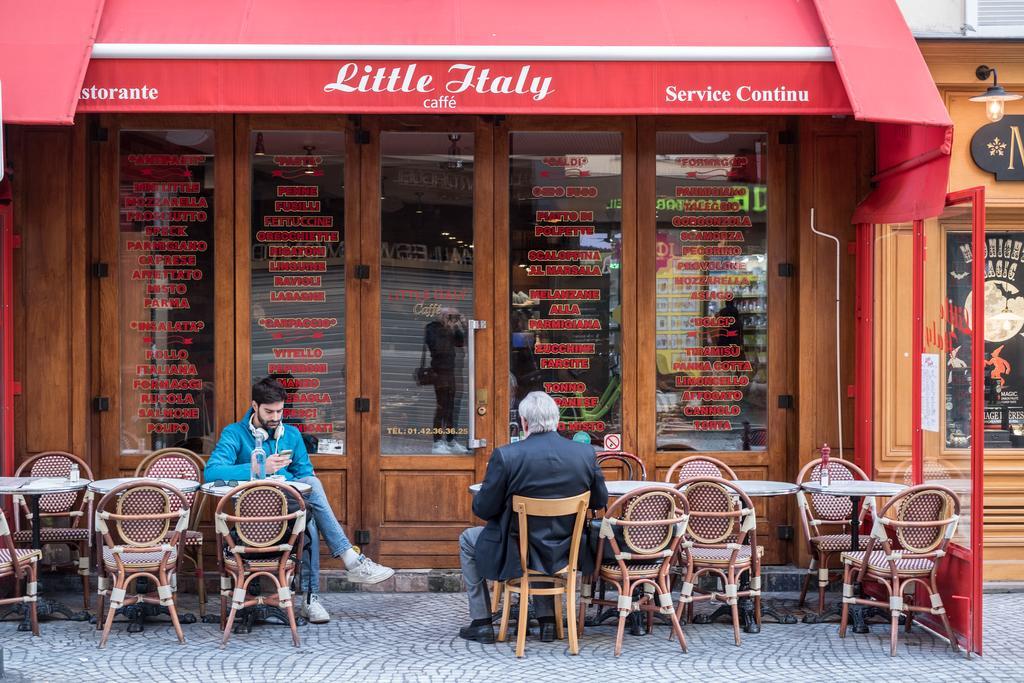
(19, 564)
(140, 542)
(698, 466)
(908, 540)
(826, 522)
(72, 510)
(181, 463)
(721, 532)
(260, 539)
(634, 466)
(653, 523)
(532, 582)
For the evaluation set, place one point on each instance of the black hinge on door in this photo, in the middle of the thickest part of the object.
(362, 404)
(100, 270)
(362, 536)
(362, 272)
(787, 137)
(786, 270)
(362, 136)
(101, 404)
(784, 532)
(99, 134)
(786, 401)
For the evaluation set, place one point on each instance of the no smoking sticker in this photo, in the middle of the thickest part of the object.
(612, 442)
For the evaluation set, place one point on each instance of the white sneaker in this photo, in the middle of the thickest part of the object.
(314, 612)
(441, 448)
(455, 447)
(369, 571)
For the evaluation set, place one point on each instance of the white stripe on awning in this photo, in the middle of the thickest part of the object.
(554, 53)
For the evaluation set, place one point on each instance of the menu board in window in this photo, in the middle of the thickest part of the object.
(298, 278)
(166, 292)
(565, 222)
(711, 324)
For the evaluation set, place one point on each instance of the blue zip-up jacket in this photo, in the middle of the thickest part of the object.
(231, 458)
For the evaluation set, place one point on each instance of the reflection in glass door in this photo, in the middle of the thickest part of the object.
(426, 292)
(565, 227)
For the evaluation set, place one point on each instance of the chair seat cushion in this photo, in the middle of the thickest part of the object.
(702, 555)
(147, 560)
(52, 534)
(635, 569)
(831, 543)
(256, 564)
(878, 563)
(192, 538)
(23, 555)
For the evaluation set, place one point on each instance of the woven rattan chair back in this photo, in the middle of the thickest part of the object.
(717, 510)
(698, 466)
(173, 463)
(634, 466)
(55, 464)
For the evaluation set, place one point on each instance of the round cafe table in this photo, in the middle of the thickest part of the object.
(104, 486)
(248, 617)
(33, 488)
(856, 490)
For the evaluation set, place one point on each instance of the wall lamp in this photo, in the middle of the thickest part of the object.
(995, 98)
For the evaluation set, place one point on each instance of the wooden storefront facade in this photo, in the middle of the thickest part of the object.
(409, 503)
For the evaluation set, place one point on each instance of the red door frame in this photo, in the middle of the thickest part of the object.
(968, 589)
(6, 335)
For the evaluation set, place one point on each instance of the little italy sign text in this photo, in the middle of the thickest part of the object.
(463, 78)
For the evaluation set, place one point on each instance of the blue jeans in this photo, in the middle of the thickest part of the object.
(320, 521)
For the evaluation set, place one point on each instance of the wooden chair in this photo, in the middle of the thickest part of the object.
(74, 509)
(908, 540)
(698, 466)
(134, 519)
(653, 521)
(826, 521)
(19, 564)
(720, 535)
(562, 582)
(269, 543)
(181, 463)
(635, 469)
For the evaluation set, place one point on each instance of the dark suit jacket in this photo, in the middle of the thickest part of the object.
(543, 465)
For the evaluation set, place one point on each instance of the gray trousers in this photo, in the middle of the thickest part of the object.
(476, 585)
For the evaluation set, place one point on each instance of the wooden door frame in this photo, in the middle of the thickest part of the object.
(107, 381)
(350, 463)
(626, 126)
(436, 542)
(779, 294)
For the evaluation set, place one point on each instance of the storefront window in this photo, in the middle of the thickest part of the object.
(565, 223)
(426, 261)
(711, 324)
(1004, 344)
(298, 277)
(166, 293)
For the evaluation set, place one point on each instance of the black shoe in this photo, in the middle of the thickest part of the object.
(478, 634)
(547, 632)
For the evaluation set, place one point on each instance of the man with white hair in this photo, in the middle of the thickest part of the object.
(543, 465)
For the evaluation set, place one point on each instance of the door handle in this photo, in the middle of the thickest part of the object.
(473, 326)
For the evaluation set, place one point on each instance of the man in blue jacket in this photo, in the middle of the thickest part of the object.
(231, 460)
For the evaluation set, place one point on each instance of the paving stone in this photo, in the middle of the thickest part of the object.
(414, 637)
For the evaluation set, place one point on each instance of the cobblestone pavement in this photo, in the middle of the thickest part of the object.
(413, 637)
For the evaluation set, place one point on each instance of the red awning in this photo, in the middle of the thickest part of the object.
(888, 82)
(464, 56)
(539, 57)
(44, 52)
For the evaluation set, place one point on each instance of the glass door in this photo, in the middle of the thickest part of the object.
(968, 347)
(425, 314)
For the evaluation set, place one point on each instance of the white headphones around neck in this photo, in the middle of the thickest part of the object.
(260, 434)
